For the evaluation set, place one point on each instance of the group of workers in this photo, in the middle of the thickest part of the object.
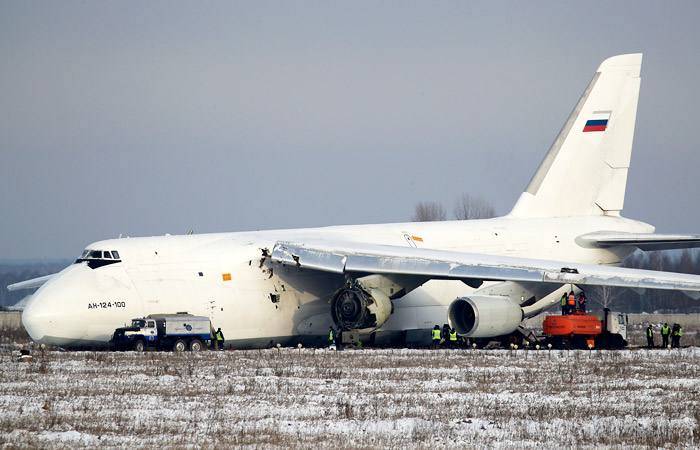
(570, 304)
(675, 333)
(447, 336)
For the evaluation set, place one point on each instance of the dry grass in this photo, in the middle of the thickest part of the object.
(13, 335)
(369, 398)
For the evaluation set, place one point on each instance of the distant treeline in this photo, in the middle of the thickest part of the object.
(13, 272)
(627, 300)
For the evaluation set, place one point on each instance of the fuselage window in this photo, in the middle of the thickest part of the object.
(115, 254)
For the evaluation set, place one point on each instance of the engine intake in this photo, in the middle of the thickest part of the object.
(484, 316)
(353, 308)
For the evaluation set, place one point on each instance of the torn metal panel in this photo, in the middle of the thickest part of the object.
(309, 258)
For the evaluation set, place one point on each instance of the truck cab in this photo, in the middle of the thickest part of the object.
(615, 324)
(147, 329)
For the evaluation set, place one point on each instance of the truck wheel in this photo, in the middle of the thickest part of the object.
(139, 346)
(196, 345)
(180, 346)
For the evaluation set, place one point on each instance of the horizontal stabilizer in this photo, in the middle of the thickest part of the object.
(643, 241)
(30, 284)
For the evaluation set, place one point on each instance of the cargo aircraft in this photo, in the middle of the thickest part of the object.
(484, 276)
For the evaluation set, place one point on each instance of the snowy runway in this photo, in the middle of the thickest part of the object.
(368, 398)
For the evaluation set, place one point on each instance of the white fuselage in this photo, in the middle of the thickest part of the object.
(224, 276)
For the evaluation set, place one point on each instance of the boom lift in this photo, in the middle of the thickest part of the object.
(586, 331)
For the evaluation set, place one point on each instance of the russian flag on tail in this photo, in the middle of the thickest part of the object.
(597, 122)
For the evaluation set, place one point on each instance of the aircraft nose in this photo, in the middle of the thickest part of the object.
(36, 318)
(49, 315)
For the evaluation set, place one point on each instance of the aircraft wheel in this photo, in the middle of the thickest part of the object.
(139, 346)
(180, 346)
(196, 345)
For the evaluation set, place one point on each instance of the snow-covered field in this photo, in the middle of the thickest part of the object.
(354, 398)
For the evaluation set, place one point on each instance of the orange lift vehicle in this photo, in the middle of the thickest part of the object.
(586, 331)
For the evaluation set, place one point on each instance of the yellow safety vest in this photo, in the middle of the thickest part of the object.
(453, 335)
(436, 335)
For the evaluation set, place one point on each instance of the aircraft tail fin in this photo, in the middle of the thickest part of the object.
(585, 170)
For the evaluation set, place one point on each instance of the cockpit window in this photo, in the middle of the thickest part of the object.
(98, 258)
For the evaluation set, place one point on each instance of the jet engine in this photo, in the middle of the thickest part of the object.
(485, 316)
(354, 308)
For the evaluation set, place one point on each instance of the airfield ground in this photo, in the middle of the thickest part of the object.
(354, 398)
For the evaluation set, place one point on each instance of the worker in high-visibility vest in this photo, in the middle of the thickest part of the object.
(582, 302)
(650, 337)
(453, 338)
(676, 333)
(665, 333)
(331, 336)
(562, 303)
(445, 334)
(218, 340)
(571, 302)
(437, 335)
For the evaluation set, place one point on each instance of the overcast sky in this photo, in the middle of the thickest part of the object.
(150, 118)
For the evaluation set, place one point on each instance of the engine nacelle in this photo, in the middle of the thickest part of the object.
(354, 308)
(482, 317)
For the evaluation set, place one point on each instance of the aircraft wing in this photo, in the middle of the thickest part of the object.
(643, 241)
(351, 257)
(30, 284)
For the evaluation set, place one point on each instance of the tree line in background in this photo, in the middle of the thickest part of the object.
(466, 207)
(16, 272)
